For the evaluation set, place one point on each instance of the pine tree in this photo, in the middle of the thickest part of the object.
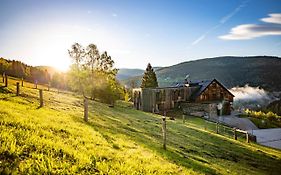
(149, 79)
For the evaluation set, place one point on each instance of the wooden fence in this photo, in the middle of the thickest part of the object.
(5, 81)
(222, 129)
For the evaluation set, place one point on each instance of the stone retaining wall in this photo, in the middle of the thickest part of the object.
(200, 109)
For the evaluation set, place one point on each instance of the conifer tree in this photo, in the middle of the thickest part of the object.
(149, 79)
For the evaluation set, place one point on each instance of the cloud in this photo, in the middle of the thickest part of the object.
(274, 18)
(249, 31)
(222, 21)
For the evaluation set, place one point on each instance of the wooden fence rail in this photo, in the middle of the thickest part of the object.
(235, 131)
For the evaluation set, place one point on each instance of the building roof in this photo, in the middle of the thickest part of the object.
(203, 86)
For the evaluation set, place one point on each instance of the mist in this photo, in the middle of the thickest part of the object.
(251, 97)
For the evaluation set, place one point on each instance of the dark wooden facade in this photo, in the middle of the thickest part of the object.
(164, 99)
(214, 92)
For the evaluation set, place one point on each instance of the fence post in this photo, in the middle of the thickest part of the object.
(18, 88)
(234, 134)
(85, 109)
(22, 82)
(41, 97)
(48, 86)
(205, 125)
(183, 118)
(217, 127)
(6, 81)
(3, 77)
(247, 137)
(164, 132)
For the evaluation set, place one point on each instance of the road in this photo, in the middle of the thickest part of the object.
(268, 137)
(241, 123)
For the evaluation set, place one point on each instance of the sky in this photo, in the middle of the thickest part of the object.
(135, 33)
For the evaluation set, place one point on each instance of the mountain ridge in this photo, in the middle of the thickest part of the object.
(257, 71)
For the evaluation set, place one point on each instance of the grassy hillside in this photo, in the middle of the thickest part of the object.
(263, 71)
(120, 140)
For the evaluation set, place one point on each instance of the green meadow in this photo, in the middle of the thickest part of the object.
(55, 139)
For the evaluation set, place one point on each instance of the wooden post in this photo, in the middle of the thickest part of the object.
(48, 86)
(183, 118)
(164, 132)
(3, 77)
(22, 82)
(41, 97)
(205, 125)
(217, 127)
(18, 88)
(85, 109)
(6, 81)
(247, 137)
(234, 134)
(36, 84)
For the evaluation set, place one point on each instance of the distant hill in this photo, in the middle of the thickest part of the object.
(262, 71)
(51, 70)
(125, 73)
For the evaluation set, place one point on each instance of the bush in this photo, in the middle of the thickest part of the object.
(265, 116)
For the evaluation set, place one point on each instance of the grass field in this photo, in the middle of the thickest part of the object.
(120, 140)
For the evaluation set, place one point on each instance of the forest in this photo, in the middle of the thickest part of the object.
(21, 70)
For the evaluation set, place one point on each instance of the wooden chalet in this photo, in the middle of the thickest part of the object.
(187, 94)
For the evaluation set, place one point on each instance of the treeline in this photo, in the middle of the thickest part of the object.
(92, 74)
(21, 70)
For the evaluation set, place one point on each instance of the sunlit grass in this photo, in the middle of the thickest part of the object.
(120, 140)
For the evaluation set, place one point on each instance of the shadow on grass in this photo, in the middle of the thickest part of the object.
(149, 140)
(187, 147)
(5, 90)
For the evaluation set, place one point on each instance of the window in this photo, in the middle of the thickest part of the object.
(214, 95)
(221, 95)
